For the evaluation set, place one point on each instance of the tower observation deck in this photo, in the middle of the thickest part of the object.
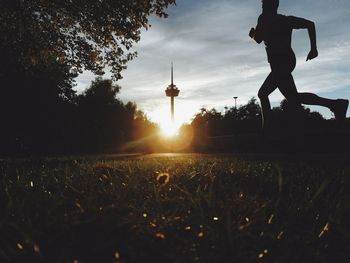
(172, 91)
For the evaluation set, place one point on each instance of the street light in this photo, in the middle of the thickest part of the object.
(235, 102)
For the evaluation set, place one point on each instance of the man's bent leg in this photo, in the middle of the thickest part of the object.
(266, 89)
(288, 89)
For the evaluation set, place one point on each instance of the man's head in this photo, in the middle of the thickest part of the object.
(270, 6)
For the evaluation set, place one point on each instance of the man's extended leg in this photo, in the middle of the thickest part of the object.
(313, 99)
(338, 107)
(266, 89)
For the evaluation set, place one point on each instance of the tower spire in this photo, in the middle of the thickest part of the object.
(172, 73)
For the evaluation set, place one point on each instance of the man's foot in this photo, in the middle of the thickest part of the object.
(339, 109)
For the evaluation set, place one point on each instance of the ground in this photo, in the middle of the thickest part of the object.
(175, 208)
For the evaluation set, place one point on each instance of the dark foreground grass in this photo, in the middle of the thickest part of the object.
(175, 209)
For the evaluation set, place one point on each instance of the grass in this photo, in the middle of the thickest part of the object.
(181, 208)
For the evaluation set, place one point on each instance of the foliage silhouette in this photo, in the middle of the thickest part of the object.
(106, 122)
(44, 46)
(98, 111)
(34, 106)
(239, 129)
(79, 34)
(49, 123)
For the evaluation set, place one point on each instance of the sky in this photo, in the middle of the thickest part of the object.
(215, 60)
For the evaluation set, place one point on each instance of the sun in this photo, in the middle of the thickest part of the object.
(169, 129)
(161, 115)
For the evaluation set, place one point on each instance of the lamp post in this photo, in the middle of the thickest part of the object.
(235, 102)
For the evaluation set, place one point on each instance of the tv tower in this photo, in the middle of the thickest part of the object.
(172, 91)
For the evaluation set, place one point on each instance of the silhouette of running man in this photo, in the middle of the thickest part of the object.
(276, 32)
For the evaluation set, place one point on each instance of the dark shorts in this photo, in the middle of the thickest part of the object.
(282, 65)
(283, 62)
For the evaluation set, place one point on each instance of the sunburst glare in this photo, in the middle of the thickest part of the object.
(169, 128)
(184, 112)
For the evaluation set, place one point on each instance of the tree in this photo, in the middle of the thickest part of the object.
(104, 122)
(101, 116)
(35, 106)
(250, 111)
(142, 126)
(284, 117)
(82, 34)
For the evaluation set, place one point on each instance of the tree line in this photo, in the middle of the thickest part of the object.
(239, 129)
(91, 122)
(45, 121)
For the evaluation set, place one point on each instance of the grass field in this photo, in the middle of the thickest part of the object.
(175, 208)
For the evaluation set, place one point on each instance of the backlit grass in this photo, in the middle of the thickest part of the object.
(188, 208)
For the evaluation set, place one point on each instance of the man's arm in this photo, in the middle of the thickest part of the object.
(310, 26)
(256, 33)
